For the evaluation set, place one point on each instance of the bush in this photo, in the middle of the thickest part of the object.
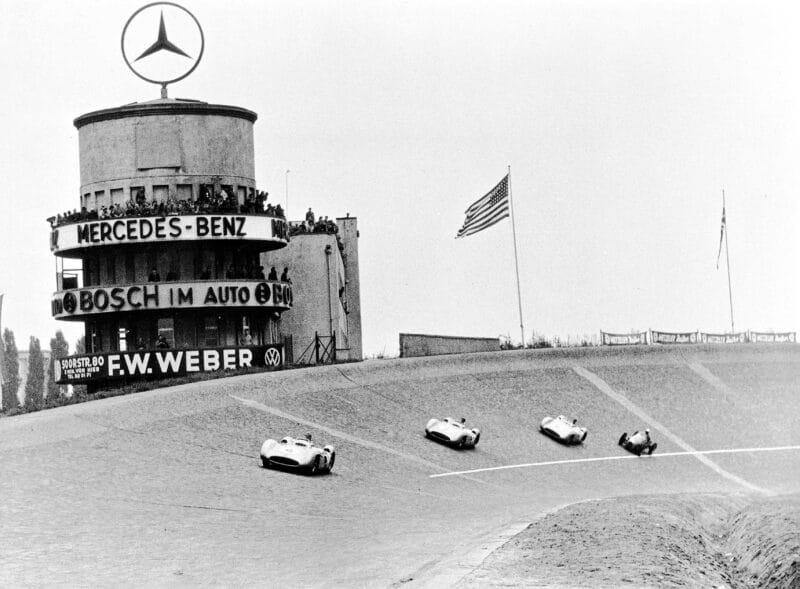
(34, 386)
(10, 400)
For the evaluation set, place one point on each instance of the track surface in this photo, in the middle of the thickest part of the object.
(165, 487)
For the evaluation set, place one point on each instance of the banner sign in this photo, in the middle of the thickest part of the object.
(723, 338)
(623, 339)
(665, 337)
(171, 295)
(164, 363)
(787, 337)
(125, 230)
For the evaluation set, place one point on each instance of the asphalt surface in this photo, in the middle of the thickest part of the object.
(165, 487)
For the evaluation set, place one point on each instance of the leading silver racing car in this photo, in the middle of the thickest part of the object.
(296, 454)
(638, 443)
(563, 430)
(451, 432)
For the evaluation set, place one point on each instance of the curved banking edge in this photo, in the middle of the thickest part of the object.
(177, 471)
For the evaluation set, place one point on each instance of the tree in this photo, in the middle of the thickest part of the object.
(34, 386)
(80, 345)
(59, 347)
(10, 371)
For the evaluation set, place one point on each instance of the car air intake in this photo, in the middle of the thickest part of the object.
(283, 460)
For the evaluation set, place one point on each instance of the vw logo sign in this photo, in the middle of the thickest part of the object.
(272, 357)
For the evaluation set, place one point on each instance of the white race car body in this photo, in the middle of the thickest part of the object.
(297, 454)
(563, 430)
(450, 431)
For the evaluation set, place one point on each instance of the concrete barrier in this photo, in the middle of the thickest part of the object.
(414, 344)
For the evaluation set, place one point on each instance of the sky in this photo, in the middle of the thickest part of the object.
(621, 121)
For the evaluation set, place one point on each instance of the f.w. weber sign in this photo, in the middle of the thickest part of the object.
(164, 363)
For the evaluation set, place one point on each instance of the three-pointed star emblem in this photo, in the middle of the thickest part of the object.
(162, 43)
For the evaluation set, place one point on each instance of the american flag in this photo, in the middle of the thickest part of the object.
(487, 210)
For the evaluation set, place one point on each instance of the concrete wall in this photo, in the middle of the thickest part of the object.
(412, 344)
(349, 235)
(318, 273)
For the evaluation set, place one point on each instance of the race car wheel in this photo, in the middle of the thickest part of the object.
(461, 443)
(623, 438)
(652, 449)
(639, 451)
(477, 438)
(264, 462)
(584, 436)
(332, 460)
(314, 468)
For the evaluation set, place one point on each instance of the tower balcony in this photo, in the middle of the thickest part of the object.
(75, 238)
(80, 304)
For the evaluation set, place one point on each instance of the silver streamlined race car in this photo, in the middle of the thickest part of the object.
(452, 432)
(296, 454)
(563, 430)
(638, 443)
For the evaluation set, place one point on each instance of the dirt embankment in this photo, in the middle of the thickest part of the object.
(655, 541)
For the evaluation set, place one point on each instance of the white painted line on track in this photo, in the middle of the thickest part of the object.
(340, 434)
(609, 458)
(710, 378)
(605, 388)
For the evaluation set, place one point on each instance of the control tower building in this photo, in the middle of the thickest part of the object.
(163, 260)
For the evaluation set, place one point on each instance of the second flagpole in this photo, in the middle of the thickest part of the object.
(516, 260)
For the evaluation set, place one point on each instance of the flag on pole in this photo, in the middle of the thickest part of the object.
(487, 210)
(721, 234)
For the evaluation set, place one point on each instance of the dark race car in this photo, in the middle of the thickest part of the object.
(638, 443)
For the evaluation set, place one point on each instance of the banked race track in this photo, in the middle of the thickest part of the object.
(166, 488)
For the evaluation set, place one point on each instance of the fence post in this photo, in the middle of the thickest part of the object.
(333, 343)
(316, 347)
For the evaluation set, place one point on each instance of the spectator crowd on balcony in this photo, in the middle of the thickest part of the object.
(208, 203)
(234, 272)
(313, 225)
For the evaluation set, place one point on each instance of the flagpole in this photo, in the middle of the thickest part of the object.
(516, 259)
(286, 212)
(728, 261)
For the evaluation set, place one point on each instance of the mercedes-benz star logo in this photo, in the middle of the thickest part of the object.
(162, 43)
(169, 58)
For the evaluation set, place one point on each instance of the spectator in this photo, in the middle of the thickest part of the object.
(162, 342)
(154, 276)
(310, 216)
(260, 273)
(285, 276)
(273, 274)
